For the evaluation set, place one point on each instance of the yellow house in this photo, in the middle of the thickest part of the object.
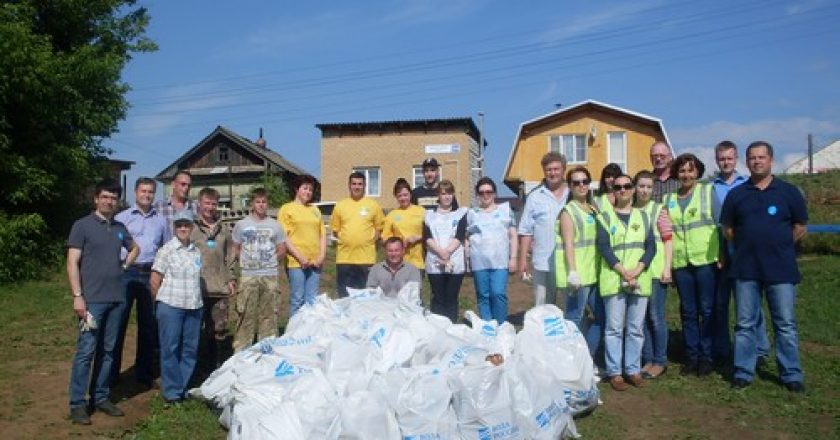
(590, 134)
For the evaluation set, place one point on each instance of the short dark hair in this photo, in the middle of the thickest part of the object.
(145, 181)
(393, 239)
(209, 193)
(610, 170)
(357, 175)
(182, 173)
(303, 179)
(552, 156)
(685, 158)
(401, 184)
(757, 144)
(485, 181)
(258, 192)
(726, 145)
(107, 184)
(624, 175)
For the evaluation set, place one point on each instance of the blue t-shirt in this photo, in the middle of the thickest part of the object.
(763, 223)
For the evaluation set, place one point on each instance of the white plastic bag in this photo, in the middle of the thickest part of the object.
(482, 402)
(366, 416)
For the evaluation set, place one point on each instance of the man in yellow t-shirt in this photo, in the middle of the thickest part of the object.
(356, 223)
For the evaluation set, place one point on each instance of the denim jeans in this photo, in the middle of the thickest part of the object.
(655, 348)
(95, 347)
(137, 289)
(491, 293)
(576, 302)
(180, 330)
(350, 275)
(304, 284)
(722, 342)
(625, 319)
(696, 286)
(781, 299)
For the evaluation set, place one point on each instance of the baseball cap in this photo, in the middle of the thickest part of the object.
(184, 215)
(431, 163)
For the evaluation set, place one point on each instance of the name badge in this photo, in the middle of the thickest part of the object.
(772, 210)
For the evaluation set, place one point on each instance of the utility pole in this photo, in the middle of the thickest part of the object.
(810, 153)
(481, 144)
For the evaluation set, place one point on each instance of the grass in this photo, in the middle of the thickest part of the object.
(823, 208)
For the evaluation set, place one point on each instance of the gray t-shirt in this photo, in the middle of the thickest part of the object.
(392, 282)
(101, 271)
(259, 240)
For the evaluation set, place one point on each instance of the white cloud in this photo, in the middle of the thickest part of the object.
(428, 11)
(159, 119)
(568, 27)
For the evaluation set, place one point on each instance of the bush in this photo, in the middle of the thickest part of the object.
(27, 247)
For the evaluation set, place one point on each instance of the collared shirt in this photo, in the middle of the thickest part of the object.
(100, 241)
(180, 266)
(722, 188)
(149, 231)
(664, 186)
(166, 209)
(539, 219)
(763, 224)
(391, 283)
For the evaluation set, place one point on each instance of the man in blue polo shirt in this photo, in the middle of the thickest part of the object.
(95, 273)
(765, 217)
(726, 157)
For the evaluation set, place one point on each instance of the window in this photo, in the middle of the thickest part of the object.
(223, 154)
(419, 180)
(617, 148)
(573, 146)
(371, 180)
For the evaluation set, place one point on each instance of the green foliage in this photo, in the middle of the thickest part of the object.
(823, 208)
(278, 191)
(28, 249)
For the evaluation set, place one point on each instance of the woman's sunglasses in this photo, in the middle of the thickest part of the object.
(626, 186)
(581, 182)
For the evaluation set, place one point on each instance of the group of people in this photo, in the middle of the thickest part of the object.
(609, 256)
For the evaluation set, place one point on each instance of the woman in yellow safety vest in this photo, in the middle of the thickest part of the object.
(576, 258)
(692, 210)
(605, 197)
(655, 348)
(406, 222)
(627, 246)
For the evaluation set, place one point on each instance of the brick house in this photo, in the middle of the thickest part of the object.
(386, 151)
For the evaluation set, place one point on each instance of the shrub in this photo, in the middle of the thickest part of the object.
(27, 247)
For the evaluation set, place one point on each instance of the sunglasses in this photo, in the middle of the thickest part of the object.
(581, 182)
(626, 187)
(486, 192)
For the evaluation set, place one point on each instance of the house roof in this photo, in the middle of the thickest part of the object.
(826, 158)
(273, 157)
(416, 124)
(589, 103)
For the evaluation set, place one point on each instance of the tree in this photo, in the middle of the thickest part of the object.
(278, 191)
(60, 95)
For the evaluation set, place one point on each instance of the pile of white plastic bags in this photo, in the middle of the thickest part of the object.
(374, 367)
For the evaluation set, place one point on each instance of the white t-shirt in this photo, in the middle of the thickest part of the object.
(489, 239)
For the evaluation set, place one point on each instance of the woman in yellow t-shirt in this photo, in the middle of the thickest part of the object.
(406, 222)
(306, 242)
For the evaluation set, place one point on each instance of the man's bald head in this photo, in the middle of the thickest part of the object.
(660, 156)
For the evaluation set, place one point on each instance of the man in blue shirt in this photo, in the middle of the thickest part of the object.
(537, 227)
(765, 217)
(149, 230)
(726, 156)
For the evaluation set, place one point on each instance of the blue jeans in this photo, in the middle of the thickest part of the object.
(696, 286)
(137, 289)
(625, 319)
(722, 343)
(655, 348)
(576, 302)
(95, 347)
(179, 330)
(781, 299)
(491, 293)
(304, 284)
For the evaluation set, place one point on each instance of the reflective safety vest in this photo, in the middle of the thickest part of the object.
(657, 265)
(586, 253)
(628, 244)
(602, 202)
(695, 237)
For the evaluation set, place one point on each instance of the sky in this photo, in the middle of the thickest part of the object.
(711, 70)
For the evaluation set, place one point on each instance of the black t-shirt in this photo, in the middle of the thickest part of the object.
(101, 271)
(428, 197)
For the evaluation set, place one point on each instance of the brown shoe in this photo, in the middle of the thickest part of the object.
(617, 383)
(636, 380)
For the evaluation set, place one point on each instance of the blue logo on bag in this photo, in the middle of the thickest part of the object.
(772, 210)
(377, 337)
(484, 433)
(488, 330)
(553, 326)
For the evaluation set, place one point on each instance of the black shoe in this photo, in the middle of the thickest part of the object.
(705, 369)
(688, 369)
(109, 408)
(795, 387)
(761, 362)
(79, 415)
(739, 384)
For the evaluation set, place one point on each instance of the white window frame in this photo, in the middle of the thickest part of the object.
(419, 168)
(569, 159)
(369, 192)
(622, 164)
